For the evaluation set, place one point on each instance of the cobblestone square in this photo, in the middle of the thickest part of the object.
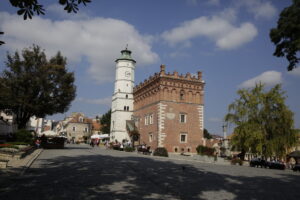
(82, 172)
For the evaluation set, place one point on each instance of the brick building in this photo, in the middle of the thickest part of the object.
(168, 111)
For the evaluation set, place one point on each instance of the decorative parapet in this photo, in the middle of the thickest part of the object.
(174, 75)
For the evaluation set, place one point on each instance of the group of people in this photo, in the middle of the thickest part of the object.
(94, 142)
(118, 145)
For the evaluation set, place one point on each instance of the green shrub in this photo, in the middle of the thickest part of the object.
(203, 150)
(235, 161)
(25, 136)
(129, 149)
(161, 151)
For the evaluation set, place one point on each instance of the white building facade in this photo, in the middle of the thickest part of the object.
(122, 100)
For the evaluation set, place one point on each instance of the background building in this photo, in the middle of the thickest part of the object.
(168, 110)
(77, 127)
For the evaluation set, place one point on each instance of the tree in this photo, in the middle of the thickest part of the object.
(264, 124)
(105, 122)
(1, 42)
(29, 8)
(286, 36)
(34, 86)
(206, 134)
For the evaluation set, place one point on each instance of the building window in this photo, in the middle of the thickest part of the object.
(126, 96)
(182, 118)
(181, 95)
(150, 137)
(146, 119)
(85, 129)
(80, 119)
(151, 119)
(183, 138)
(74, 128)
(176, 149)
(125, 108)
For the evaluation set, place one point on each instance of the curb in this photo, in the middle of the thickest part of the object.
(31, 160)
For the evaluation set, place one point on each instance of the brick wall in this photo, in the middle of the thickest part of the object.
(166, 96)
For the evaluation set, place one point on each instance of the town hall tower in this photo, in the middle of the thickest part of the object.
(122, 100)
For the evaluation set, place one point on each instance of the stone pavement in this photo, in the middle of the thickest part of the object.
(82, 172)
(19, 166)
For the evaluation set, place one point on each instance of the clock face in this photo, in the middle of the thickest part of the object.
(127, 74)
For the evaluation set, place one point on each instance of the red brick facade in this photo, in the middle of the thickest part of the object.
(168, 109)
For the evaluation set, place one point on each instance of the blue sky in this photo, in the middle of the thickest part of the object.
(227, 40)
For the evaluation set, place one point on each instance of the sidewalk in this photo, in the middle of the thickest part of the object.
(19, 166)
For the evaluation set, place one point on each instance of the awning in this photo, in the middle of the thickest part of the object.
(97, 136)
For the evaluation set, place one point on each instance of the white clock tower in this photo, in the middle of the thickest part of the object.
(122, 100)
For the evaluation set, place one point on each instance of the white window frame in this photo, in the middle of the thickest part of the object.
(151, 119)
(184, 119)
(150, 137)
(181, 134)
(81, 119)
(146, 119)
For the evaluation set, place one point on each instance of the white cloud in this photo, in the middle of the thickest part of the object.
(220, 30)
(269, 78)
(295, 71)
(101, 101)
(99, 40)
(260, 9)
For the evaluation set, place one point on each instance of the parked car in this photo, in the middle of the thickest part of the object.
(258, 162)
(276, 165)
(296, 167)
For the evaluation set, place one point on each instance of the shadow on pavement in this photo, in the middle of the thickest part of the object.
(108, 177)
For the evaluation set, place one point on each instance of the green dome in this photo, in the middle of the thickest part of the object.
(126, 55)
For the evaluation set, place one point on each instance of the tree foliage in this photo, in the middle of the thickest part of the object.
(286, 36)
(264, 124)
(33, 86)
(206, 134)
(29, 8)
(105, 122)
(1, 42)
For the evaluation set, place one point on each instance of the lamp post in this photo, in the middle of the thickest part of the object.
(225, 141)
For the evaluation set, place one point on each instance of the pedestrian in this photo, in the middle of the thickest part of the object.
(37, 143)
